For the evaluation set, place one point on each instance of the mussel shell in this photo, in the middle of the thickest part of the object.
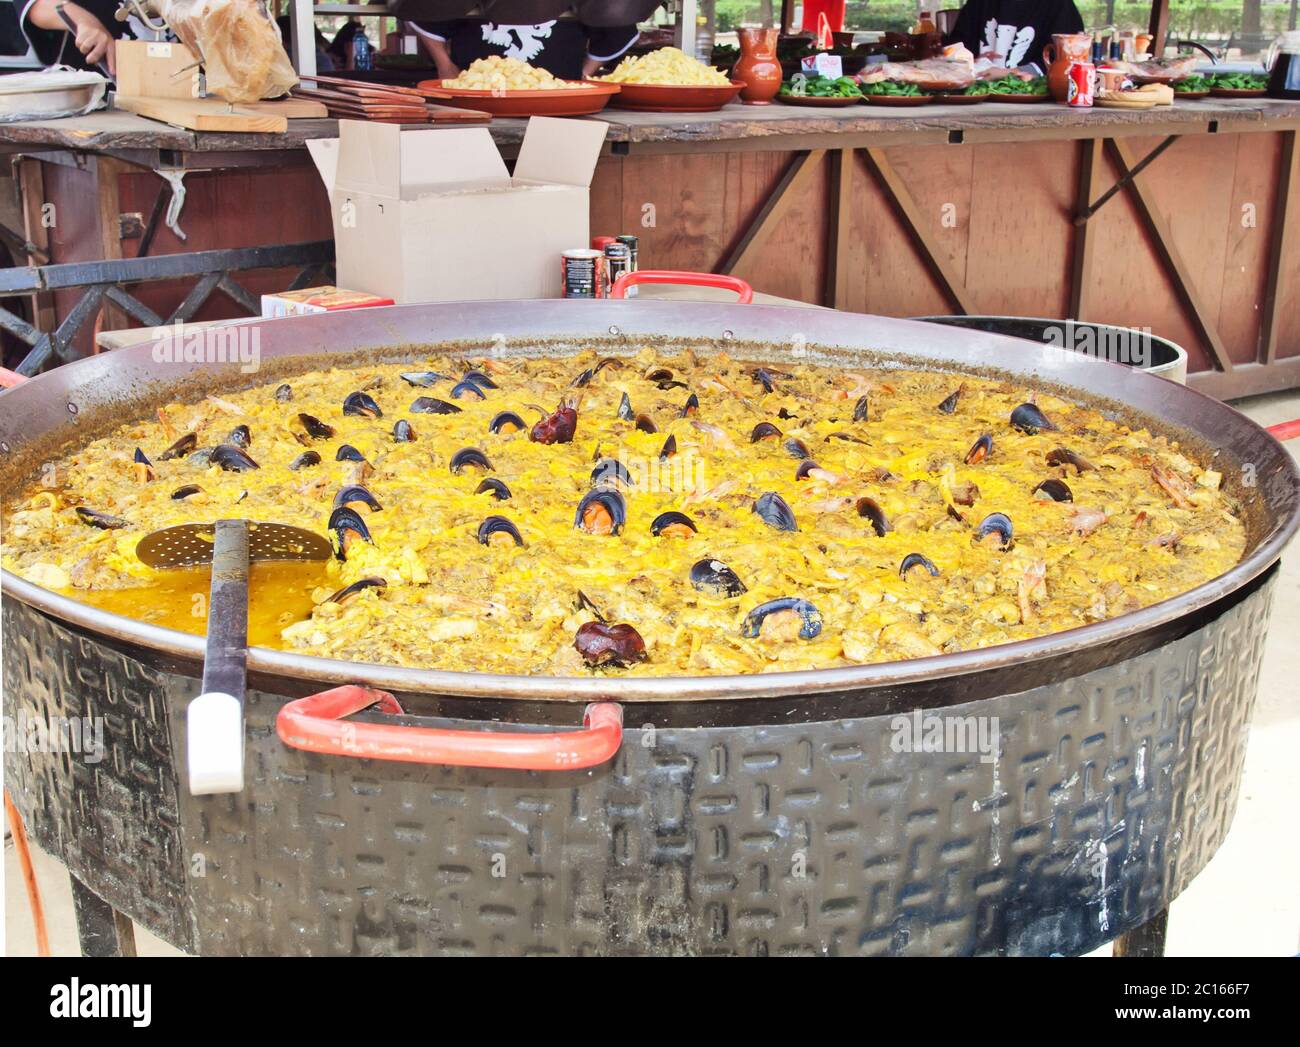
(583, 378)
(812, 618)
(612, 502)
(467, 389)
(625, 408)
(139, 458)
(1056, 490)
(284, 393)
(980, 449)
(916, 560)
(870, 509)
(670, 519)
(692, 406)
(999, 524)
(773, 510)
(315, 428)
(646, 424)
(506, 418)
(658, 374)
(104, 521)
(715, 577)
(1029, 419)
(766, 378)
(601, 644)
(201, 458)
(348, 453)
(363, 404)
(424, 379)
(611, 471)
(498, 525)
(469, 456)
(949, 403)
(232, 459)
(432, 405)
(403, 431)
(796, 448)
(305, 460)
(343, 520)
(804, 468)
(182, 493)
(480, 379)
(764, 431)
(1062, 456)
(357, 493)
(497, 487)
(361, 584)
(669, 449)
(861, 408)
(240, 436)
(185, 445)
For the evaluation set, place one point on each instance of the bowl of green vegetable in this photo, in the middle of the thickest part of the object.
(893, 92)
(1013, 89)
(820, 91)
(1194, 86)
(1238, 85)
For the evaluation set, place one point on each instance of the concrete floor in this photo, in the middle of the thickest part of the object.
(1245, 903)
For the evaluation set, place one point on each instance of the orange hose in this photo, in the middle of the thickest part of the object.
(29, 876)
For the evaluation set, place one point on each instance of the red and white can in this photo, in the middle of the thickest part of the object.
(1080, 83)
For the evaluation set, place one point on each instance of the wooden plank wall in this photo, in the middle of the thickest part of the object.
(1000, 215)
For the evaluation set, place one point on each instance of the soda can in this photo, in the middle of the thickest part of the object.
(598, 243)
(618, 260)
(1080, 83)
(582, 273)
(633, 248)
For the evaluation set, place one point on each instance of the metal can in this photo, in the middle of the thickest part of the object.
(634, 250)
(598, 243)
(618, 260)
(1080, 83)
(582, 273)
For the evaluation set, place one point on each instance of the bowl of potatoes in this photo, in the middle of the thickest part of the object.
(669, 81)
(509, 87)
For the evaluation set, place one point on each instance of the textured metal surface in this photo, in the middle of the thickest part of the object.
(115, 823)
(1113, 790)
(70, 403)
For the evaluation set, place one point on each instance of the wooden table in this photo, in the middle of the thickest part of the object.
(978, 209)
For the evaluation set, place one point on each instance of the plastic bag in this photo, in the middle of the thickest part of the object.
(238, 43)
(50, 94)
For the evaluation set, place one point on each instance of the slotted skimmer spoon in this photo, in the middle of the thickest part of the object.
(214, 721)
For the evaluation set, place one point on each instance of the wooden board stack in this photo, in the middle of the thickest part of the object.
(383, 103)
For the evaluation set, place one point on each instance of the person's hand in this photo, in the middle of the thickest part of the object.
(447, 69)
(94, 41)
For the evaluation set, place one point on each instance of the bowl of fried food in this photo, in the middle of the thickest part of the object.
(670, 81)
(509, 87)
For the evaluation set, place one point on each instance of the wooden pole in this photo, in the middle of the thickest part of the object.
(1158, 26)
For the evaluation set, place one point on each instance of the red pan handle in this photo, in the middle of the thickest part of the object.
(8, 379)
(1286, 430)
(315, 724)
(674, 276)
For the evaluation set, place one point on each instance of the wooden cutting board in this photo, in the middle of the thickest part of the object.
(206, 114)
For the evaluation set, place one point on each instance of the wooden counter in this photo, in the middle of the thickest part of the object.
(903, 212)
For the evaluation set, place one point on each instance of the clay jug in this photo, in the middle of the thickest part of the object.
(758, 66)
(1067, 47)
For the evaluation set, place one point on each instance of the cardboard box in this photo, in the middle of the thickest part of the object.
(324, 299)
(434, 216)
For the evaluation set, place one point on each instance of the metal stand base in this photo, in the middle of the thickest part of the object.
(1146, 940)
(101, 929)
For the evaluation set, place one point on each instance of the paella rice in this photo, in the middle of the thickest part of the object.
(649, 515)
